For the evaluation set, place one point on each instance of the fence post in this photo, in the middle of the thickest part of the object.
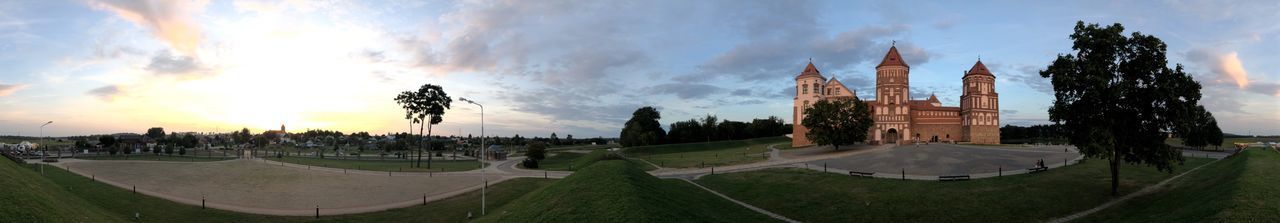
(1000, 172)
(824, 167)
(202, 202)
(317, 211)
(904, 173)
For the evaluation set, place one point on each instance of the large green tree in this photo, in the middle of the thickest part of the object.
(1117, 99)
(643, 128)
(425, 106)
(838, 121)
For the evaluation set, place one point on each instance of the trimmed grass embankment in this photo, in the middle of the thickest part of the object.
(569, 161)
(437, 165)
(62, 196)
(1244, 188)
(619, 191)
(697, 155)
(812, 196)
(29, 197)
(152, 157)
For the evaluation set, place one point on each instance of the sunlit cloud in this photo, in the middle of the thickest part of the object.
(170, 21)
(1231, 66)
(7, 89)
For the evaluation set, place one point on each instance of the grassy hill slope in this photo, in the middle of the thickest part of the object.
(1245, 188)
(619, 191)
(28, 197)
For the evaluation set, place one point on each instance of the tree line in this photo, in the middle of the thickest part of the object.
(644, 129)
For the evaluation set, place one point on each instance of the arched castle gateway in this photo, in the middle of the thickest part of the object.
(899, 119)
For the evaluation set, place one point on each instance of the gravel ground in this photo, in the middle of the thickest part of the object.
(258, 185)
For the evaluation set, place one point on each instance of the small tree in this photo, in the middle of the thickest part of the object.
(643, 128)
(536, 150)
(838, 122)
(182, 151)
(108, 142)
(156, 133)
(168, 150)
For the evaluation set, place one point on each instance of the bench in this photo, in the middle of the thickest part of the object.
(1038, 169)
(953, 178)
(861, 174)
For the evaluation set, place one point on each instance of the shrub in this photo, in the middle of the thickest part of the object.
(182, 151)
(529, 163)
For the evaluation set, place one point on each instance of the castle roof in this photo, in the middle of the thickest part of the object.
(810, 70)
(979, 69)
(892, 58)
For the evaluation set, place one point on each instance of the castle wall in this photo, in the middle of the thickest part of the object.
(984, 134)
(944, 132)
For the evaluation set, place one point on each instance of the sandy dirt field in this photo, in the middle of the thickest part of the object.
(274, 189)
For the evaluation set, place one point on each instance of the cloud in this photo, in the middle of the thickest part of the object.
(685, 90)
(168, 20)
(164, 63)
(560, 106)
(8, 89)
(106, 93)
(1008, 112)
(1231, 66)
(1028, 75)
(765, 58)
(1226, 68)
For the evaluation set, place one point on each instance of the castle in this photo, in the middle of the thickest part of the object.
(900, 119)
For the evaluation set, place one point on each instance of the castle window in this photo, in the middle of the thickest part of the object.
(805, 88)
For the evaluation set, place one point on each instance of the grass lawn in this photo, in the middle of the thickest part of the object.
(153, 157)
(383, 165)
(812, 196)
(29, 197)
(120, 204)
(1245, 188)
(1227, 143)
(784, 146)
(695, 155)
(618, 191)
(581, 147)
(567, 161)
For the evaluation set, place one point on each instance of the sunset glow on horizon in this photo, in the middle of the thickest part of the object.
(581, 68)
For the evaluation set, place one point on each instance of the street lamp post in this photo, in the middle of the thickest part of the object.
(483, 156)
(43, 155)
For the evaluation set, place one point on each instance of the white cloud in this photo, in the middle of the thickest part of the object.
(170, 21)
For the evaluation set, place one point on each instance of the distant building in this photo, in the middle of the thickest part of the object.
(495, 152)
(899, 118)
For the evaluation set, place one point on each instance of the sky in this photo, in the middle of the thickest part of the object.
(569, 67)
